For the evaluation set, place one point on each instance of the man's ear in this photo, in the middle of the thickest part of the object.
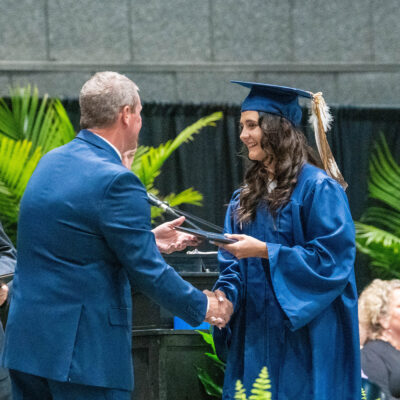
(126, 114)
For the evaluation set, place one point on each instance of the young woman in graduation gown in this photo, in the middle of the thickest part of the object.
(290, 275)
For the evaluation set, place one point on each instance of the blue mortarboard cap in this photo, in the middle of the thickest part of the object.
(284, 101)
(280, 100)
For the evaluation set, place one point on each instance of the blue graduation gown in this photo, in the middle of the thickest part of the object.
(295, 313)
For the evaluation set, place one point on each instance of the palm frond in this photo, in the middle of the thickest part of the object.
(383, 218)
(382, 246)
(43, 122)
(140, 152)
(9, 205)
(151, 161)
(188, 196)
(384, 184)
(156, 212)
(66, 129)
(188, 133)
(378, 233)
(17, 163)
(372, 235)
(8, 124)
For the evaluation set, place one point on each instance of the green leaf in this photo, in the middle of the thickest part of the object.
(43, 122)
(384, 218)
(240, 392)
(147, 164)
(211, 388)
(216, 362)
(384, 184)
(208, 338)
(218, 366)
(378, 232)
(383, 248)
(188, 196)
(261, 386)
(17, 163)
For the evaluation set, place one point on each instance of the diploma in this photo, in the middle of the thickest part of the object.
(6, 278)
(207, 235)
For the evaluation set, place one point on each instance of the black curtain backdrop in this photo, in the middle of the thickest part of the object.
(212, 163)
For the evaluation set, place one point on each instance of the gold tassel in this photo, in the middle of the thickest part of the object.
(321, 120)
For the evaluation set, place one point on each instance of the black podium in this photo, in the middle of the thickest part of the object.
(165, 359)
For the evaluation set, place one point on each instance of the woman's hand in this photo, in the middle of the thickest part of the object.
(245, 247)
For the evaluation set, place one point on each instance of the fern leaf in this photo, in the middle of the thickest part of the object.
(261, 386)
(240, 392)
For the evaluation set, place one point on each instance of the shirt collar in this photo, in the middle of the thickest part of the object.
(116, 150)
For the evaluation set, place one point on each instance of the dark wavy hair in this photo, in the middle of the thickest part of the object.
(286, 148)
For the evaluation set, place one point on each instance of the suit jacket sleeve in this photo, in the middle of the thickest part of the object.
(126, 225)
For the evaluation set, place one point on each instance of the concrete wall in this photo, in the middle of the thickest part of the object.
(188, 50)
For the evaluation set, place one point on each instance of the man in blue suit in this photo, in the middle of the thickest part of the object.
(84, 239)
(8, 258)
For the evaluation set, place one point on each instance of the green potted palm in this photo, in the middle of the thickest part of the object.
(149, 161)
(378, 231)
(31, 125)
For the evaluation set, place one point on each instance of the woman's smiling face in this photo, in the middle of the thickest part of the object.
(251, 134)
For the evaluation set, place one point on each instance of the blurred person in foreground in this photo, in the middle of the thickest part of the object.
(290, 275)
(379, 315)
(84, 240)
(8, 258)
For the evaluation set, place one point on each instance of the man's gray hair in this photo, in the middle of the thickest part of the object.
(103, 96)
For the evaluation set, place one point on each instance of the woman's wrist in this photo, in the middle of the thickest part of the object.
(263, 250)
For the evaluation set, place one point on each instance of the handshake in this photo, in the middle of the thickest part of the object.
(220, 309)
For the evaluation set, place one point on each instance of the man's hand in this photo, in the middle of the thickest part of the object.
(3, 293)
(169, 240)
(220, 309)
(128, 157)
(245, 247)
